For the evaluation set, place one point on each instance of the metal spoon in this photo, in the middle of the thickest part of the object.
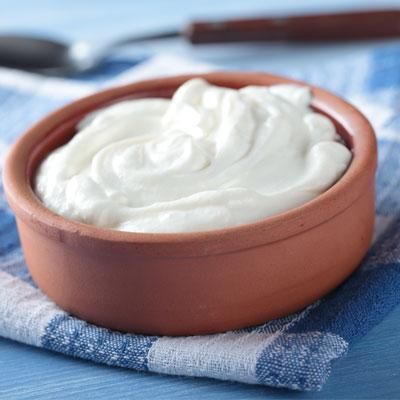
(53, 57)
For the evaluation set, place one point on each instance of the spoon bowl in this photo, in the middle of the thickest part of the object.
(54, 57)
(34, 53)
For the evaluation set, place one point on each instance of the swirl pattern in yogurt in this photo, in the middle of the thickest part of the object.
(208, 158)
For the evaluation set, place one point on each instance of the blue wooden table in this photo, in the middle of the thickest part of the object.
(370, 371)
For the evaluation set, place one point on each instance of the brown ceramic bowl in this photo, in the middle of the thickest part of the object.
(194, 283)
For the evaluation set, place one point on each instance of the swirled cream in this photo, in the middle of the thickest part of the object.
(208, 158)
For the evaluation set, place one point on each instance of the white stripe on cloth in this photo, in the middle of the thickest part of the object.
(158, 66)
(382, 222)
(228, 356)
(44, 86)
(25, 311)
(379, 112)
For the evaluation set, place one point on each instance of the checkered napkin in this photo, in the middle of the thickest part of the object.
(295, 352)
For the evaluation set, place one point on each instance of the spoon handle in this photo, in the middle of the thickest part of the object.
(357, 25)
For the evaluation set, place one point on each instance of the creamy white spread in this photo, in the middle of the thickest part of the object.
(209, 158)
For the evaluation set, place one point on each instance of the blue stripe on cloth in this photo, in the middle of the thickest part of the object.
(108, 69)
(385, 68)
(299, 361)
(77, 338)
(388, 177)
(14, 264)
(385, 254)
(9, 239)
(11, 256)
(20, 109)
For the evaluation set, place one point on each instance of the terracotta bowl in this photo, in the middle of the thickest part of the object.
(194, 283)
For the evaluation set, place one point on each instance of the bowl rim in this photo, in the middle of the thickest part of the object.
(341, 195)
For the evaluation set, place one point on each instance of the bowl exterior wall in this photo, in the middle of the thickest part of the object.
(199, 295)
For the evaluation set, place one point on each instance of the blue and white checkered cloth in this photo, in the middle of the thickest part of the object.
(294, 352)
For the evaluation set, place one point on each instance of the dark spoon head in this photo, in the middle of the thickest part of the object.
(36, 54)
(53, 57)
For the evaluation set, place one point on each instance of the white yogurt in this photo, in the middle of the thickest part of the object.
(208, 158)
